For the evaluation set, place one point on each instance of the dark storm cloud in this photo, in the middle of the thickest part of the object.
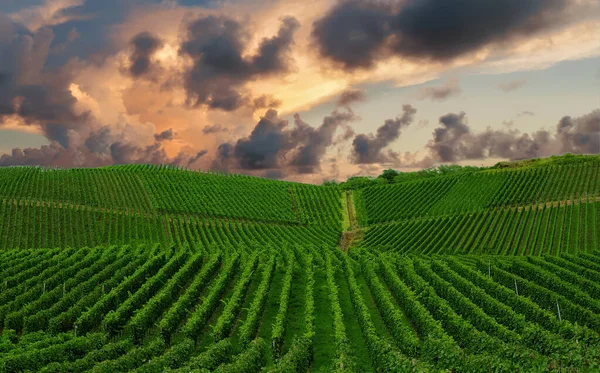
(351, 96)
(358, 33)
(512, 85)
(144, 45)
(273, 53)
(93, 20)
(272, 145)
(314, 142)
(164, 135)
(454, 140)
(38, 95)
(265, 145)
(367, 149)
(216, 46)
(440, 93)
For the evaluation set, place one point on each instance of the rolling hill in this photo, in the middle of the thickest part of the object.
(154, 268)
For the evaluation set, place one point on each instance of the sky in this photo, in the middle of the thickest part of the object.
(303, 91)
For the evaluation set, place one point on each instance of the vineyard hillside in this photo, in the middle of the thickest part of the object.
(140, 268)
(542, 210)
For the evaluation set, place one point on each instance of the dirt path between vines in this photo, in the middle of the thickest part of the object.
(354, 232)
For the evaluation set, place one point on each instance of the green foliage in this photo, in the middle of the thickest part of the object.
(251, 360)
(278, 328)
(389, 175)
(457, 269)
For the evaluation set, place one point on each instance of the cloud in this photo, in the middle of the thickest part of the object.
(580, 135)
(446, 90)
(313, 142)
(215, 128)
(28, 91)
(272, 144)
(359, 33)
(512, 85)
(266, 101)
(351, 96)
(216, 47)
(104, 146)
(525, 113)
(144, 45)
(367, 149)
(454, 140)
(165, 135)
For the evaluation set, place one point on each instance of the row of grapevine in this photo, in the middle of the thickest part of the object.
(278, 328)
(457, 313)
(224, 324)
(119, 205)
(478, 191)
(543, 230)
(384, 357)
(32, 225)
(111, 188)
(342, 345)
(73, 227)
(202, 313)
(145, 317)
(179, 309)
(405, 339)
(249, 328)
(318, 205)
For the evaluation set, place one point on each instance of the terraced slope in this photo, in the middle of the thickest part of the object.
(152, 190)
(478, 191)
(151, 309)
(532, 230)
(532, 211)
(147, 204)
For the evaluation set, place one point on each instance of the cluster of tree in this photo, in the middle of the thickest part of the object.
(391, 176)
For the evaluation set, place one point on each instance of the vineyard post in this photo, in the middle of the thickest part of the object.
(558, 308)
(44, 290)
(516, 288)
(489, 270)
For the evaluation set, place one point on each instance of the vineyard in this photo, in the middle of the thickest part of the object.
(156, 269)
(280, 310)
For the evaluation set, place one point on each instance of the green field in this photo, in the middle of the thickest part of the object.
(154, 268)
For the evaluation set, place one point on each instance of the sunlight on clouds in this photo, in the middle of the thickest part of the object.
(47, 14)
(577, 42)
(84, 101)
(16, 123)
